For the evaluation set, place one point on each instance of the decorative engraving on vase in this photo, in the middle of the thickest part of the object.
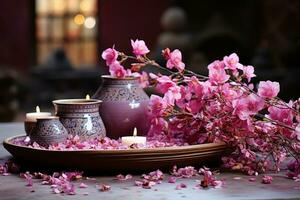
(80, 117)
(49, 131)
(124, 106)
(89, 126)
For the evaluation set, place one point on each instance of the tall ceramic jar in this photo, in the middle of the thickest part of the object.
(124, 106)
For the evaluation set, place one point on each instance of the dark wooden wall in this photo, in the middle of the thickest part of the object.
(15, 34)
(119, 21)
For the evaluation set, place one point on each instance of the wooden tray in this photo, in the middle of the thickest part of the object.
(103, 161)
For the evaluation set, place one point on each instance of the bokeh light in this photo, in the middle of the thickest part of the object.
(90, 22)
(79, 19)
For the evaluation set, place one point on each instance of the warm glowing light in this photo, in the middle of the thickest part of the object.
(134, 132)
(85, 5)
(87, 97)
(79, 19)
(37, 109)
(90, 22)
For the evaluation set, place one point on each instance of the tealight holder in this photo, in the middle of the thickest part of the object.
(49, 130)
(31, 120)
(30, 127)
(80, 117)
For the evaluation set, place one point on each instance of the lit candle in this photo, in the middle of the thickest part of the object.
(31, 117)
(87, 97)
(30, 121)
(129, 140)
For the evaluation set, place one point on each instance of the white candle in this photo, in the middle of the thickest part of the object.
(31, 117)
(129, 140)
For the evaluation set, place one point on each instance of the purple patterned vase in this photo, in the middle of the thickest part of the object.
(80, 117)
(49, 130)
(124, 106)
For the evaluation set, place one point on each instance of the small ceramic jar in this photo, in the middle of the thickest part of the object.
(80, 117)
(30, 127)
(49, 130)
(30, 121)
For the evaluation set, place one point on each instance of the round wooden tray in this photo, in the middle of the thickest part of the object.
(131, 160)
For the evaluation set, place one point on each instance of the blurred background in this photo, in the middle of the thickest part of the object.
(51, 49)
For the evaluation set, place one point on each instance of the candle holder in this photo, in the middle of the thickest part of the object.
(31, 119)
(49, 130)
(80, 117)
(30, 127)
(134, 139)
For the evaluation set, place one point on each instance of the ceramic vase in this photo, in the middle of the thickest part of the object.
(124, 106)
(80, 117)
(49, 130)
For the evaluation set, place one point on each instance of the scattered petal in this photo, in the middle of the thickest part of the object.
(180, 186)
(82, 185)
(252, 179)
(104, 187)
(267, 179)
(172, 179)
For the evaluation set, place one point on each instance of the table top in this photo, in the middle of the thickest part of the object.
(237, 185)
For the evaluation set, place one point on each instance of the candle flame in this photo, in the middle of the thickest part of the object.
(37, 109)
(134, 132)
(87, 97)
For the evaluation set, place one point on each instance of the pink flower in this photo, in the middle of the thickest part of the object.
(294, 170)
(240, 108)
(121, 177)
(166, 53)
(135, 67)
(175, 60)
(172, 95)
(155, 176)
(117, 70)
(232, 62)
(267, 179)
(110, 55)
(72, 176)
(186, 96)
(151, 179)
(254, 104)
(185, 172)
(158, 125)
(281, 114)
(248, 72)
(228, 92)
(247, 106)
(217, 74)
(194, 106)
(209, 179)
(28, 178)
(164, 83)
(268, 89)
(297, 131)
(138, 183)
(143, 78)
(156, 105)
(196, 86)
(148, 184)
(139, 47)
